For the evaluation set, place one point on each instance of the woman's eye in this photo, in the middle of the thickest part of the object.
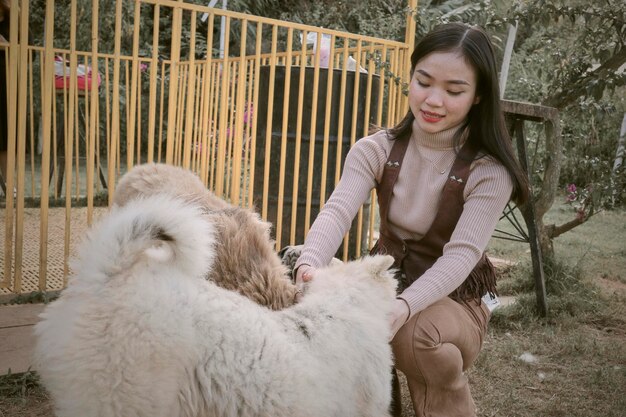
(455, 93)
(421, 84)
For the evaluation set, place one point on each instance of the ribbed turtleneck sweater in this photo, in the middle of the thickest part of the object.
(413, 206)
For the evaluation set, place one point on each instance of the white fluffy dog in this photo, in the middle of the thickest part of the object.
(140, 332)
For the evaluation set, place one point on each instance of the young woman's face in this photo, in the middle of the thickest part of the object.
(442, 91)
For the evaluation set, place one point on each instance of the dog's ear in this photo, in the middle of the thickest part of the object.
(379, 263)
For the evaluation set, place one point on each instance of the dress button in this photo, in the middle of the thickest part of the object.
(443, 172)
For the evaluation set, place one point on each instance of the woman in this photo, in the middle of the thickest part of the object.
(443, 175)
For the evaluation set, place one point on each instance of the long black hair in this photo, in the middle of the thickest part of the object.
(484, 124)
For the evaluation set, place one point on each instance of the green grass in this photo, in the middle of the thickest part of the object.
(581, 354)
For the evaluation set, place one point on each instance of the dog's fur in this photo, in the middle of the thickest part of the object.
(139, 331)
(245, 260)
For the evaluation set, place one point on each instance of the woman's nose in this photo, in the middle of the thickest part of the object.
(434, 98)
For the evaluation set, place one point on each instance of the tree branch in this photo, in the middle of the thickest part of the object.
(564, 98)
(555, 231)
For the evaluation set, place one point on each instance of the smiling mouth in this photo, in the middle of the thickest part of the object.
(431, 117)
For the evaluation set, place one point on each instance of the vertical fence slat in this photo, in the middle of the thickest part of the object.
(208, 83)
(309, 183)
(223, 115)
(191, 80)
(283, 140)
(255, 111)
(327, 118)
(134, 74)
(298, 140)
(268, 128)
(115, 116)
(48, 88)
(154, 65)
(239, 112)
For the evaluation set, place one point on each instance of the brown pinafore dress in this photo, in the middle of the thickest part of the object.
(414, 257)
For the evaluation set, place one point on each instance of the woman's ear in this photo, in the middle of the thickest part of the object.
(477, 100)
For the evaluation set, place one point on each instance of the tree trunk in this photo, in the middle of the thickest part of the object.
(547, 193)
(621, 144)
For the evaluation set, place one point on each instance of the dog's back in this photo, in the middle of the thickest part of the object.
(112, 333)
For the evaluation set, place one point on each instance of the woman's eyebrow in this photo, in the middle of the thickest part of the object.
(427, 75)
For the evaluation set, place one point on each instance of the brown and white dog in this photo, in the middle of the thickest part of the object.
(245, 260)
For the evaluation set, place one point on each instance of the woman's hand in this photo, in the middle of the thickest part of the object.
(398, 316)
(304, 274)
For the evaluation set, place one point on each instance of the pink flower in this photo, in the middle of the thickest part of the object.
(571, 188)
(143, 67)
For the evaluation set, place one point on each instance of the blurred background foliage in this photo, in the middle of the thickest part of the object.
(568, 54)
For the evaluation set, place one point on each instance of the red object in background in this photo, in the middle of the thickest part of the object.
(84, 79)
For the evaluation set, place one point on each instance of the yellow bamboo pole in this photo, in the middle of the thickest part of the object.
(180, 115)
(206, 95)
(229, 130)
(11, 144)
(327, 118)
(161, 107)
(14, 132)
(223, 115)
(239, 111)
(76, 139)
(197, 118)
(353, 135)
(309, 183)
(268, 128)
(54, 125)
(45, 162)
(342, 109)
(173, 87)
(283, 140)
(257, 66)
(69, 131)
(191, 81)
(127, 92)
(212, 123)
(381, 88)
(372, 219)
(153, 79)
(298, 142)
(246, 140)
(391, 107)
(107, 104)
(115, 117)
(138, 122)
(32, 122)
(215, 115)
(134, 74)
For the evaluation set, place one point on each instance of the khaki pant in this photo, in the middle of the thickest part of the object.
(433, 349)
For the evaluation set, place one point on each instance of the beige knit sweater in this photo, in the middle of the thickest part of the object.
(413, 206)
